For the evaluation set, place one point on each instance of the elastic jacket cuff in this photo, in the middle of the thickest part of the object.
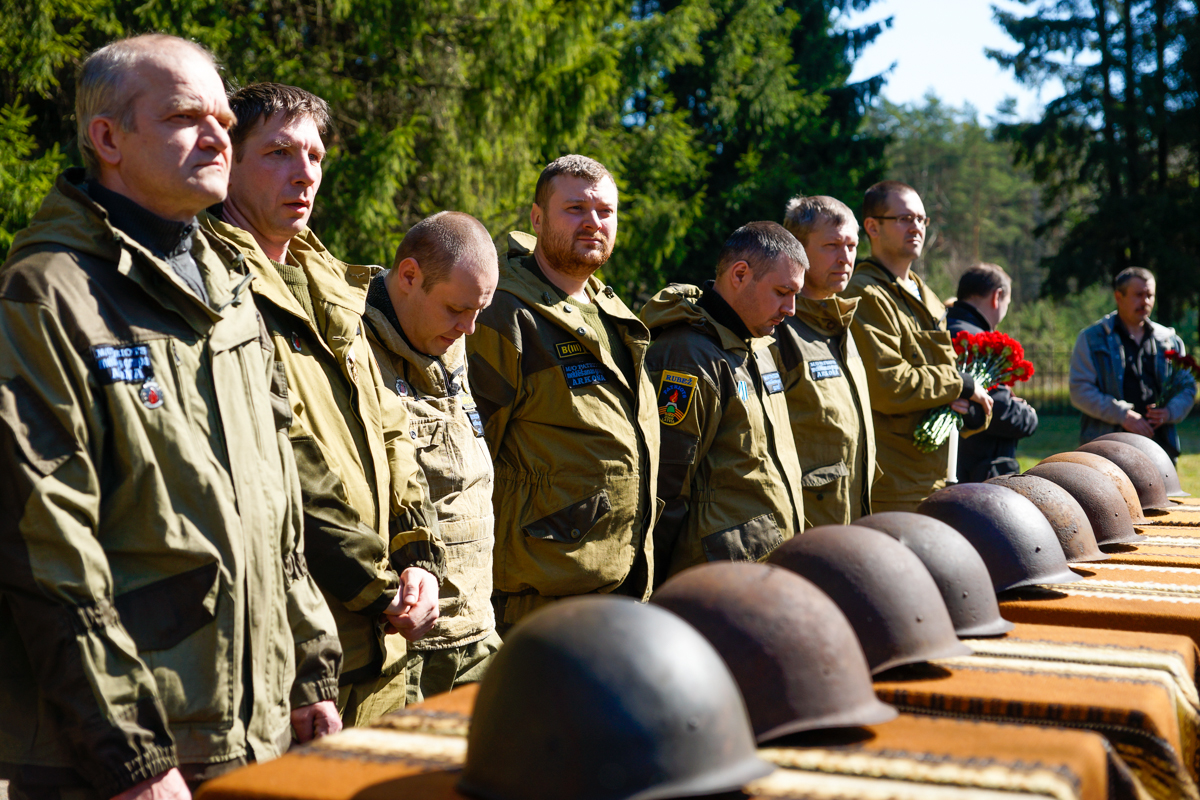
(968, 385)
(424, 553)
(151, 762)
(318, 663)
(307, 693)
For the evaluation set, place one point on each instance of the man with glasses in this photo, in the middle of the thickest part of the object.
(900, 329)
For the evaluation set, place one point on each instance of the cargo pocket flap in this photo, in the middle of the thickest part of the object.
(162, 614)
(823, 476)
(424, 433)
(750, 541)
(573, 523)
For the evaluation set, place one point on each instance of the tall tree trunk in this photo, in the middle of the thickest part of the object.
(1160, 80)
(1106, 99)
(1108, 115)
(1130, 119)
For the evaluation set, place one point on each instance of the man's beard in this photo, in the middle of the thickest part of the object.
(559, 250)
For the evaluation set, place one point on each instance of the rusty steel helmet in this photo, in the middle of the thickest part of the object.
(1114, 474)
(604, 698)
(1146, 479)
(1153, 451)
(959, 572)
(1068, 519)
(791, 650)
(1100, 500)
(882, 588)
(1015, 540)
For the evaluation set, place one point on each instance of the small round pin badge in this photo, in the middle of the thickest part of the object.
(151, 393)
(296, 341)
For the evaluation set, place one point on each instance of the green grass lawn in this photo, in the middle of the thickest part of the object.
(1060, 433)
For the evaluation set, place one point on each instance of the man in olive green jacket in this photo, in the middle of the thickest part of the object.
(728, 472)
(157, 616)
(418, 314)
(900, 329)
(823, 375)
(369, 524)
(557, 367)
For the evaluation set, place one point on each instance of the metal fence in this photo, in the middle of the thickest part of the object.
(1048, 390)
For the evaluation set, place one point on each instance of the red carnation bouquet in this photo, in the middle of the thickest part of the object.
(992, 359)
(1182, 372)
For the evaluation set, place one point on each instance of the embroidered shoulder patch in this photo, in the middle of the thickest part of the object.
(123, 363)
(569, 349)
(820, 370)
(675, 391)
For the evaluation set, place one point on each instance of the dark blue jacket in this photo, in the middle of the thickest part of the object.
(994, 451)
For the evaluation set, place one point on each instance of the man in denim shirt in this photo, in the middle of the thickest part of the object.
(1119, 367)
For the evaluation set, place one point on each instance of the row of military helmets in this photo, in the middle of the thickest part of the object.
(604, 698)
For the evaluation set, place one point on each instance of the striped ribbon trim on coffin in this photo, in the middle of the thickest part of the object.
(1162, 669)
(1151, 758)
(819, 773)
(436, 740)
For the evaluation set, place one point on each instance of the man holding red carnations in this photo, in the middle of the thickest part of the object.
(1119, 369)
(900, 330)
(984, 292)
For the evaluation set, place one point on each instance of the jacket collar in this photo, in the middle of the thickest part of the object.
(679, 304)
(969, 313)
(70, 218)
(875, 272)
(527, 287)
(1161, 333)
(830, 317)
(330, 280)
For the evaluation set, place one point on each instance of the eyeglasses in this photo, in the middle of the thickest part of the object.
(909, 219)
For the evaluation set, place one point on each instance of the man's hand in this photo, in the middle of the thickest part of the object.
(982, 398)
(167, 786)
(1136, 423)
(313, 722)
(1156, 416)
(963, 404)
(414, 610)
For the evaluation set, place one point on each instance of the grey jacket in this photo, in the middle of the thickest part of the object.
(1097, 370)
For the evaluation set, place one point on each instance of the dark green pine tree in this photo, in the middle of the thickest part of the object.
(770, 102)
(1114, 154)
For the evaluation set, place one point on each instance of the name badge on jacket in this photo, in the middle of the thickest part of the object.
(820, 370)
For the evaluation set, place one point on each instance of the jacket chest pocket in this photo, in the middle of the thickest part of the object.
(431, 427)
(928, 347)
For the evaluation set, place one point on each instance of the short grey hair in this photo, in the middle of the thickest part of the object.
(760, 244)
(1128, 274)
(803, 214)
(100, 87)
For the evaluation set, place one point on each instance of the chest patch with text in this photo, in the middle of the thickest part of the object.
(821, 370)
(584, 373)
(128, 363)
(675, 391)
(569, 349)
(773, 382)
